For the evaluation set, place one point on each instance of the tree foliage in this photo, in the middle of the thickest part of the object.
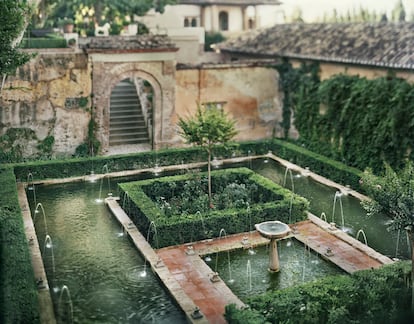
(208, 128)
(393, 194)
(361, 14)
(102, 10)
(13, 20)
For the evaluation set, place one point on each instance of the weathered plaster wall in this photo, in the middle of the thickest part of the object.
(49, 95)
(249, 94)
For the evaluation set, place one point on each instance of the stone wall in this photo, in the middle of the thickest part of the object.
(47, 98)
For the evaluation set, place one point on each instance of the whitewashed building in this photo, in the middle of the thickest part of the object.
(225, 16)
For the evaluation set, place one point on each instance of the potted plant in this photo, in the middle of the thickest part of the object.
(67, 24)
(71, 42)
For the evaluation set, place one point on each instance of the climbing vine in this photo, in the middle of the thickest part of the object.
(358, 121)
(291, 83)
(91, 146)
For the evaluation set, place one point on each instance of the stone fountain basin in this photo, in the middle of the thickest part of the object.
(273, 229)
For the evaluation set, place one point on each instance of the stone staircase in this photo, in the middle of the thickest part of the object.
(126, 122)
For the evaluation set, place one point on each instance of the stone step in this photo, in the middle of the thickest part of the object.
(120, 120)
(136, 115)
(127, 122)
(124, 99)
(129, 129)
(132, 111)
(113, 142)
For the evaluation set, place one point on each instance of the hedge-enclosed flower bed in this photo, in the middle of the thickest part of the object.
(268, 201)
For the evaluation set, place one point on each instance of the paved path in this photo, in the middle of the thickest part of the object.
(338, 247)
(183, 300)
(197, 279)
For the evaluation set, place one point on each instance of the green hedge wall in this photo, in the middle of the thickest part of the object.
(43, 43)
(181, 229)
(18, 291)
(361, 122)
(370, 296)
(331, 169)
(56, 169)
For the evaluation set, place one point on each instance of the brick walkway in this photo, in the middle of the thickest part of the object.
(194, 275)
(338, 247)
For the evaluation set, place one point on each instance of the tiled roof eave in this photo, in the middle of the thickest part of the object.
(370, 63)
(135, 50)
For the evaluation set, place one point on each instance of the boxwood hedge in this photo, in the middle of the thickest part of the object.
(272, 203)
(18, 290)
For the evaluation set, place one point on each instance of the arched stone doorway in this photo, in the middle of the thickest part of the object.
(159, 76)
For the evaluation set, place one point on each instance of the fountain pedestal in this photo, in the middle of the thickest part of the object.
(273, 256)
(273, 230)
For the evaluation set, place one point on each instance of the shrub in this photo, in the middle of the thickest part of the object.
(175, 226)
(18, 292)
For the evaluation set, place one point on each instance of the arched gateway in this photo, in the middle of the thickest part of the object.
(141, 61)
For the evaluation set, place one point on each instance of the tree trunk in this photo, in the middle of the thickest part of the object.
(411, 237)
(98, 12)
(209, 178)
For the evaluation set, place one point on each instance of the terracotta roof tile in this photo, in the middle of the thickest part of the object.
(147, 42)
(381, 44)
(230, 2)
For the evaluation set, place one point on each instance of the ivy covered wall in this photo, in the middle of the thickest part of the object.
(358, 121)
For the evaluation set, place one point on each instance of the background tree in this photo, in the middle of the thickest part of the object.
(14, 17)
(297, 15)
(398, 13)
(394, 194)
(99, 11)
(208, 128)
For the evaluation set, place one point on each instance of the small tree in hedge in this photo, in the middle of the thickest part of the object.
(394, 194)
(208, 128)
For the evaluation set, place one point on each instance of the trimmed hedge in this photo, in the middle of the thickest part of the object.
(333, 170)
(18, 291)
(55, 169)
(369, 296)
(273, 202)
(43, 43)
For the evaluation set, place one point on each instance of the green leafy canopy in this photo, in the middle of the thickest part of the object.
(210, 126)
(13, 18)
